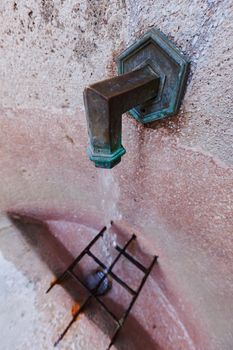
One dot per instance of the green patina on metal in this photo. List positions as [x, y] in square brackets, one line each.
[105, 161]
[155, 49]
[150, 85]
[105, 102]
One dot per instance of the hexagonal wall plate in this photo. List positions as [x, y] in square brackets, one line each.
[157, 51]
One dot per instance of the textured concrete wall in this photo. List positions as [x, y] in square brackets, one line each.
[51, 49]
[175, 182]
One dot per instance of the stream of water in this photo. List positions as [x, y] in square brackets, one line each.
[109, 204]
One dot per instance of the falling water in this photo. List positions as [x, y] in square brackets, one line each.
[110, 196]
[107, 248]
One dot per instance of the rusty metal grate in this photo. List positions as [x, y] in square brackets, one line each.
[69, 272]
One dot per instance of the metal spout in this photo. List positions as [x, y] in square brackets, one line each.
[105, 102]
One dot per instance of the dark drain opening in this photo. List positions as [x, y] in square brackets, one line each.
[93, 280]
[98, 283]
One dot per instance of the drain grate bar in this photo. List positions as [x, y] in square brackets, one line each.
[122, 252]
[75, 316]
[79, 257]
[94, 296]
[130, 258]
[139, 289]
[123, 319]
[105, 272]
[112, 274]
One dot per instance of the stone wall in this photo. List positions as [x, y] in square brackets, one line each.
[175, 182]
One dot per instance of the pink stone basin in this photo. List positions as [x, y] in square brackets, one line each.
[156, 321]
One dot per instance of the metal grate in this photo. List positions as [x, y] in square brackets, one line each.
[106, 271]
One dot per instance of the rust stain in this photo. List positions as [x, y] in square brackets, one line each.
[53, 282]
[75, 308]
[111, 65]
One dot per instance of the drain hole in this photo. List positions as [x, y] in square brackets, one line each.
[93, 282]
[99, 282]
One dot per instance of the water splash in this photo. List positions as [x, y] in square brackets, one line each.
[110, 196]
[108, 247]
